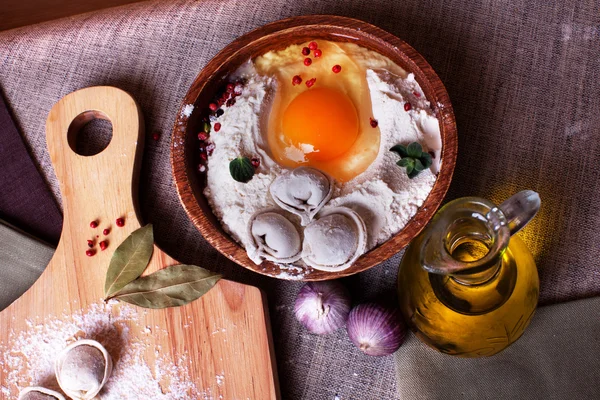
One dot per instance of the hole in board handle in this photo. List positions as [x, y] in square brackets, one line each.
[90, 133]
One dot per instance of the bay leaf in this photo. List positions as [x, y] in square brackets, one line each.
[169, 287]
[129, 260]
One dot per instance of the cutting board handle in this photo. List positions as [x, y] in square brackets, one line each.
[102, 187]
[105, 184]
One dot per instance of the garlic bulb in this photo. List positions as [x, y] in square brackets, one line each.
[302, 191]
[82, 369]
[39, 393]
[376, 330]
[335, 240]
[274, 238]
[322, 307]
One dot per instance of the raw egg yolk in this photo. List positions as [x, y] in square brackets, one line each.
[323, 118]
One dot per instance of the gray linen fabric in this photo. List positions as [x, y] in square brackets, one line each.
[523, 78]
[22, 260]
[556, 358]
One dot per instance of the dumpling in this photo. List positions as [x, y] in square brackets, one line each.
[82, 369]
[273, 237]
[335, 240]
[302, 191]
[39, 393]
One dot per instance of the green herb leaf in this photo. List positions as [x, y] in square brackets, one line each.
[170, 287]
[414, 159]
[419, 165]
[426, 160]
[401, 150]
[413, 173]
[129, 260]
[405, 162]
[414, 150]
[241, 169]
[408, 163]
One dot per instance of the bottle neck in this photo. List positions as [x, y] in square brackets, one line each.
[468, 236]
[469, 242]
[461, 241]
[465, 250]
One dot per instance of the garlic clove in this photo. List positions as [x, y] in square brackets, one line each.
[273, 237]
[302, 191]
[335, 240]
[82, 369]
[39, 393]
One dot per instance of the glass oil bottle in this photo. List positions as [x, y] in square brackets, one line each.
[466, 286]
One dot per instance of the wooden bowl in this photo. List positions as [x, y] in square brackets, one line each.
[275, 36]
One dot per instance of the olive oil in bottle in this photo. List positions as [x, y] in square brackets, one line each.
[466, 286]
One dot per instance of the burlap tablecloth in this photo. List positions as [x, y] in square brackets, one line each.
[522, 76]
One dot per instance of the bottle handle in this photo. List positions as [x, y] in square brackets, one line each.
[518, 210]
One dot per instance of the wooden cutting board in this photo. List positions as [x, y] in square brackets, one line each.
[236, 363]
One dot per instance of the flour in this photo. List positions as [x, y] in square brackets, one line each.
[28, 359]
[187, 110]
[292, 272]
[383, 195]
[240, 136]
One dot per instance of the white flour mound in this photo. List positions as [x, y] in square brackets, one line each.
[383, 195]
[240, 136]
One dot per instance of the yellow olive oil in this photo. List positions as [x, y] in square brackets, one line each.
[470, 313]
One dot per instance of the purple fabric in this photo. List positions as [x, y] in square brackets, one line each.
[25, 199]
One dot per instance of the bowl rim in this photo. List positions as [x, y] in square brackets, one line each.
[431, 84]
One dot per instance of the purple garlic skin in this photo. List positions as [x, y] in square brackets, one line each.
[376, 330]
[322, 307]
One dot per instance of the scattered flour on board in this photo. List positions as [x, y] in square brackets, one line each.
[28, 360]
